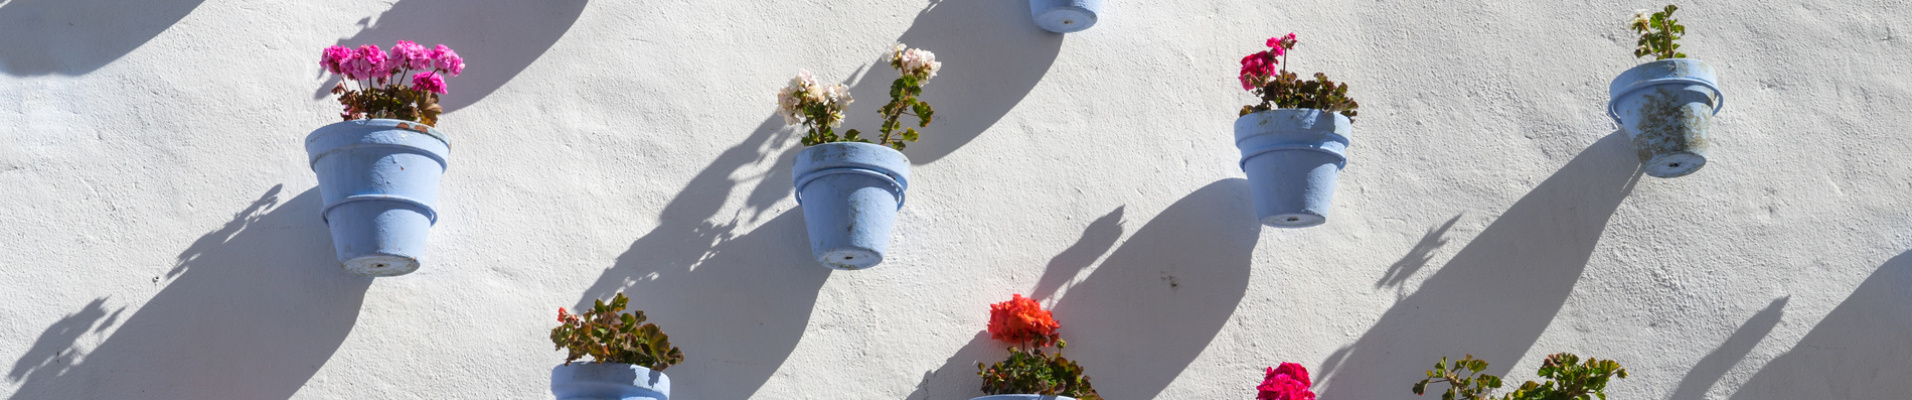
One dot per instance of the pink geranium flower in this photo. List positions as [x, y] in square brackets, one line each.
[369, 63]
[1256, 68]
[1288, 382]
[374, 81]
[333, 57]
[411, 55]
[429, 81]
[446, 60]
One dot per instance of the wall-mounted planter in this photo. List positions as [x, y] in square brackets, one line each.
[850, 193]
[593, 381]
[1292, 158]
[1667, 107]
[1023, 397]
[379, 180]
[1064, 16]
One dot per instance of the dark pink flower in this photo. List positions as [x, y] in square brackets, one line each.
[1289, 382]
[446, 60]
[333, 56]
[411, 55]
[429, 81]
[1256, 68]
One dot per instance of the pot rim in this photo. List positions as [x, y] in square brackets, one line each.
[413, 126]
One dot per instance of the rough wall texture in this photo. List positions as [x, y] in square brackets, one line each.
[160, 238]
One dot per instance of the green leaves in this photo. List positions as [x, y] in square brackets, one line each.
[1657, 33]
[1567, 379]
[1287, 90]
[609, 336]
[1037, 373]
[903, 93]
[903, 100]
[392, 102]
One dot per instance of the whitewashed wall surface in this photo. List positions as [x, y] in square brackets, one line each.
[160, 234]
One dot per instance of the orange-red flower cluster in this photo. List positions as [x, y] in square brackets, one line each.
[1021, 320]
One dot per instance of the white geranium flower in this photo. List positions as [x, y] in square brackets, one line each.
[804, 78]
[839, 96]
[787, 105]
[919, 62]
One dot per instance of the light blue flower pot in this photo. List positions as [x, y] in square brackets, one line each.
[1064, 16]
[1292, 158]
[1023, 397]
[379, 179]
[1667, 107]
[608, 381]
[850, 193]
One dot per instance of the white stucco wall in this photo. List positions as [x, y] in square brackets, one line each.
[160, 237]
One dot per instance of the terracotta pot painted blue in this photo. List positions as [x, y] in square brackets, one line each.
[594, 381]
[850, 193]
[1064, 16]
[1023, 397]
[1667, 107]
[379, 179]
[1292, 158]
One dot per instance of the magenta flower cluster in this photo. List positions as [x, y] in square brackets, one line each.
[1257, 68]
[375, 67]
[1287, 382]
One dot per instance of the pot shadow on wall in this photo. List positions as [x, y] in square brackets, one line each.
[765, 282]
[76, 37]
[1721, 360]
[737, 307]
[1149, 309]
[739, 302]
[1860, 350]
[1496, 296]
[993, 55]
[251, 310]
[497, 38]
[760, 286]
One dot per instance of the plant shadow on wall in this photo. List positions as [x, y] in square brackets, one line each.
[1721, 360]
[695, 264]
[1147, 310]
[1496, 296]
[500, 37]
[250, 311]
[994, 56]
[1860, 350]
[1419, 256]
[75, 37]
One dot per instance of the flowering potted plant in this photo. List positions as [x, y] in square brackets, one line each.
[1030, 374]
[379, 169]
[1666, 106]
[1289, 382]
[1064, 16]
[1567, 378]
[629, 355]
[1292, 143]
[850, 188]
